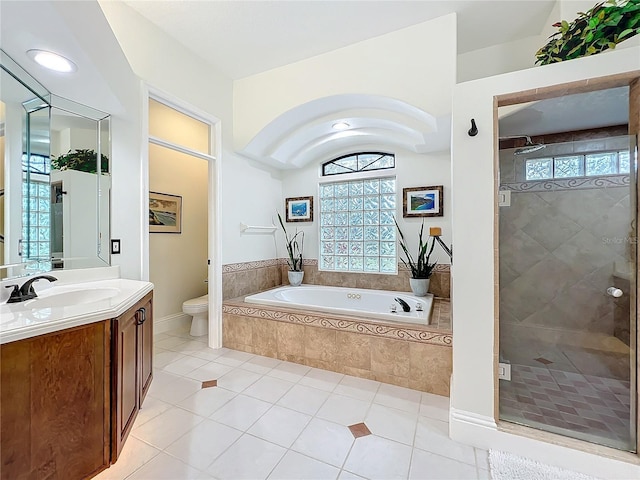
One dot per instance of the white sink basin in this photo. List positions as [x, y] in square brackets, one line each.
[74, 297]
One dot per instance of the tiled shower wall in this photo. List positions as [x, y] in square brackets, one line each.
[246, 278]
[561, 245]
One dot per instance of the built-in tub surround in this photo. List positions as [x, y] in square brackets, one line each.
[439, 285]
[370, 304]
[239, 279]
[408, 355]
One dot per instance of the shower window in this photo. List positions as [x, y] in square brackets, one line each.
[357, 231]
[539, 168]
[572, 166]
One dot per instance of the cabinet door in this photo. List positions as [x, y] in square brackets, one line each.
[54, 404]
[145, 348]
[125, 391]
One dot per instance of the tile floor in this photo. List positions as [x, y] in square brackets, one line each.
[592, 408]
[279, 420]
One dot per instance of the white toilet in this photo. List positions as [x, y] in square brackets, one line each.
[199, 309]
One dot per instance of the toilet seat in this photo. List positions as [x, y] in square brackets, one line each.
[196, 305]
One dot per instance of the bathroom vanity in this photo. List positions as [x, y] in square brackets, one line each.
[73, 377]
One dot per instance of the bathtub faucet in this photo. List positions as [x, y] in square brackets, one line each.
[405, 306]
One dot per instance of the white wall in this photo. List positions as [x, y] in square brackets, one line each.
[248, 194]
[412, 170]
[399, 65]
[473, 302]
[416, 65]
[178, 262]
[520, 54]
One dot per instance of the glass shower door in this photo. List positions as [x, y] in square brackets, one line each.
[567, 256]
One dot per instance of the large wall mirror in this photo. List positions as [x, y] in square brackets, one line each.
[54, 178]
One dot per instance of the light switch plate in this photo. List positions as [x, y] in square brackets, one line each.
[115, 246]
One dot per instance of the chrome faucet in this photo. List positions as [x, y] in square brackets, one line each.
[26, 291]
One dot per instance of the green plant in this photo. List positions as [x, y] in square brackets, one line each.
[602, 27]
[420, 268]
[83, 160]
[294, 249]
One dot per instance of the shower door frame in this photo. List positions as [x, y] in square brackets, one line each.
[632, 80]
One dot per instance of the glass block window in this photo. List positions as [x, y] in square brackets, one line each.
[357, 231]
[571, 166]
[601, 163]
[539, 168]
[564, 167]
[623, 161]
[36, 164]
[36, 208]
[359, 162]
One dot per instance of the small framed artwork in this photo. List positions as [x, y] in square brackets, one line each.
[165, 213]
[299, 209]
[422, 201]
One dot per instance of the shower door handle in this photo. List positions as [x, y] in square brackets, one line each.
[614, 292]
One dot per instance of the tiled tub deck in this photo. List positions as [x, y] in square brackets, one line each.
[414, 356]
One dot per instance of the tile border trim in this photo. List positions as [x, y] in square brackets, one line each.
[567, 184]
[340, 323]
[243, 266]
[239, 267]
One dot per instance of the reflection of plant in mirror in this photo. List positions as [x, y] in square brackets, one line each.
[600, 28]
[83, 160]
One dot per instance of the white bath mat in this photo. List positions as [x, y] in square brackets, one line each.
[506, 466]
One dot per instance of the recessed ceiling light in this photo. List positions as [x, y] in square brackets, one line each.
[52, 61]
[341, 125]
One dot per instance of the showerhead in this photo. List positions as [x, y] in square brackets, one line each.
[529, 147]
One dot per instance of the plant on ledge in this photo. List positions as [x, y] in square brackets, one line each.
[294, 249]
[420, 268]
[600, 28]
[83, 160]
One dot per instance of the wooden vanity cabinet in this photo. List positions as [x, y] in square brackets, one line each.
[55, 408]
[68, 399]
[132, 368]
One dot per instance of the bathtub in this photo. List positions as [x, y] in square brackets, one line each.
[360, 302]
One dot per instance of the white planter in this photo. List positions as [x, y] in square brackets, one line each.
[419, 286]
[295, 278]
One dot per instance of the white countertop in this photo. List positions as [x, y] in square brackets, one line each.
[22, 320]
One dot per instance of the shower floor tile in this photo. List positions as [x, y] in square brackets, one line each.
[595, 407]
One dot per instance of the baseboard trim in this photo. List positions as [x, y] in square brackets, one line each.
[171, 322]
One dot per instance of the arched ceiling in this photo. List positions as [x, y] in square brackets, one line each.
[305, 133]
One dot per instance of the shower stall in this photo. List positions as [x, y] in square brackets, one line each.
[567, 281]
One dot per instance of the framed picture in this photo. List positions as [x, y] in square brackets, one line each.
[422, 201]
[165, 213]
[299, 209]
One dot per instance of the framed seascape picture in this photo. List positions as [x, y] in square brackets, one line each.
[299, 209]
[422, 201]
[165, 213]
